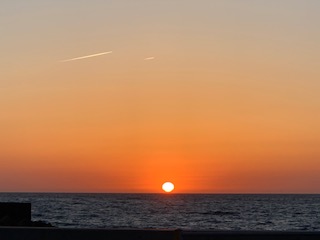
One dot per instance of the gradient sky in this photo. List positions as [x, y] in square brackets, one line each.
[229, 104]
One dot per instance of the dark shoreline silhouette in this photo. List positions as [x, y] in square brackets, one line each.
[18, 215]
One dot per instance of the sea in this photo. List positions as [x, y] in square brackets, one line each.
[174, 211]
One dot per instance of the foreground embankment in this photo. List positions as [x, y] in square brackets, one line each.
[33, 233]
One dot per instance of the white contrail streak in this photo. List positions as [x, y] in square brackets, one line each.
[149, 58]
[88, 56]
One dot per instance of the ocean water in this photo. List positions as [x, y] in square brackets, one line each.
[183, 211]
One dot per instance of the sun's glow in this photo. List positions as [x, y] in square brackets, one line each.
[168, 187]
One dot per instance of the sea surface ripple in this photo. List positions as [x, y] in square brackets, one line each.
[183, 211]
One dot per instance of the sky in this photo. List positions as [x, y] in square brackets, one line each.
[121, 96]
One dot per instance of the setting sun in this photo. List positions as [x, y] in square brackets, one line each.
[167, 187]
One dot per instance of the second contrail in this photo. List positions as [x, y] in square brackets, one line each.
[88, 56]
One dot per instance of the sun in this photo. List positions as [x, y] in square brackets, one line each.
[168, 187]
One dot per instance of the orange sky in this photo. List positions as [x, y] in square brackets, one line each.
[229, 104]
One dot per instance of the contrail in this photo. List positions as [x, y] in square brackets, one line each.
[88, 56]
[149, 58]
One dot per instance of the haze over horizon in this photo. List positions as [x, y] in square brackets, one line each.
[214, 96]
